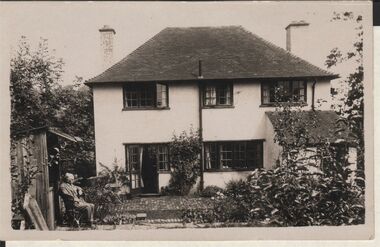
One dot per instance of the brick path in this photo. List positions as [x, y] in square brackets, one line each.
[167, 203]
[157, 209]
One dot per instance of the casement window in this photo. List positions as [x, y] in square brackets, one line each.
[133, 167]
[283, 92]
[217, 94]
[145, 96]
[233, 155]
[163, 158]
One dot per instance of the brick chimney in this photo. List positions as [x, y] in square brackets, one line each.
[296, 35]
[106, 44]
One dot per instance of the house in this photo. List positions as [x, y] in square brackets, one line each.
[221, 80]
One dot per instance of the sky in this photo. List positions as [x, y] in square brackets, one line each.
[72, 28]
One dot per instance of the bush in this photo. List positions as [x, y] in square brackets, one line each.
[291, 198]
[184, 160]
[108, 191]
[210, 191]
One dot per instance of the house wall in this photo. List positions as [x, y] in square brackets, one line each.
[323, 95]
[115, 127]
[271, 149]
[246, 120]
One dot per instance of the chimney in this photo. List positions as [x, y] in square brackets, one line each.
[106, 44]
[295, 35]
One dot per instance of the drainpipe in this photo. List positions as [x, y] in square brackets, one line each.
[312, 94]
[200, 76]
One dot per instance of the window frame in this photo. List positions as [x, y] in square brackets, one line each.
[272, 84]
[259, 157]
[140, 87]
[218, 86]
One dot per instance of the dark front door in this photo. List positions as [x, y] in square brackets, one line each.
[149, 169]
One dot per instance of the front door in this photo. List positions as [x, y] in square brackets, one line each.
[149, 173]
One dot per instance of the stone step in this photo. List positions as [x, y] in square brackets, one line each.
[149, 195]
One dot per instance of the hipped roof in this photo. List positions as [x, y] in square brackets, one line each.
[321, 126]
[226, 52]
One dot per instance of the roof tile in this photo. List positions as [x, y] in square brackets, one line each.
[226, 53]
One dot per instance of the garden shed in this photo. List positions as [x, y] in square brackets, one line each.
[36, 164]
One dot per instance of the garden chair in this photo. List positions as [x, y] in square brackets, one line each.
[72, 215]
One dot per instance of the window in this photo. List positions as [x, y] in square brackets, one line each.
[233, 155]
[283, 91]
[134, 166]
[217, 95]
[163, 157]
[145, 96]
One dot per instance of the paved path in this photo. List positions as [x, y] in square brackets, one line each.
[167, 203]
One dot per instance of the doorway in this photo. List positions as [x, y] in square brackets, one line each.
[149, 173]
[142, 168]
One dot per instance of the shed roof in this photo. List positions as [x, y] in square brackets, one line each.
[53, 130]
[321, 126]
[229, 52]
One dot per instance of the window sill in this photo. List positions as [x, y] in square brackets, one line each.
[218, 107]
[232, 169]
[145, 108]
[279, 104]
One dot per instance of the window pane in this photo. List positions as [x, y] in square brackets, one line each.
[239, 155]
[226, 155]
[224, 95]
[211, 156]
[134, 158]
[210, 95]
[139, 96]
[285, 91]
[161, 95]
[254, 154]
[265, 93]
[163, 158]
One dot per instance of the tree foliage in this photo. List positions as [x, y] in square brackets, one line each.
[300, 190]
[38, 99]
[351, 88]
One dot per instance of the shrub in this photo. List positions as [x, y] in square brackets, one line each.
[108, 192]
[210, 191]
[184, 159]
[292, 194]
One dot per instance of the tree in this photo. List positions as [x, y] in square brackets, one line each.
[75, 116]
[352, 88]
[38, 99]
[34, 77]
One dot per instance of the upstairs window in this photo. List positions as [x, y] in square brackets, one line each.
[217, 95]
[283, 92]
[236, 155]
[145, 96]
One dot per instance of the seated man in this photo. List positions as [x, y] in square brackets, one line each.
[73, 198]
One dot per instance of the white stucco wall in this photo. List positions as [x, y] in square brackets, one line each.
[323, 94]
[242, 122]
[114, 127]
[271, 149]
[246, 120]
[220, 179]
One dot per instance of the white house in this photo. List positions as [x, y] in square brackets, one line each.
[220, 80]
